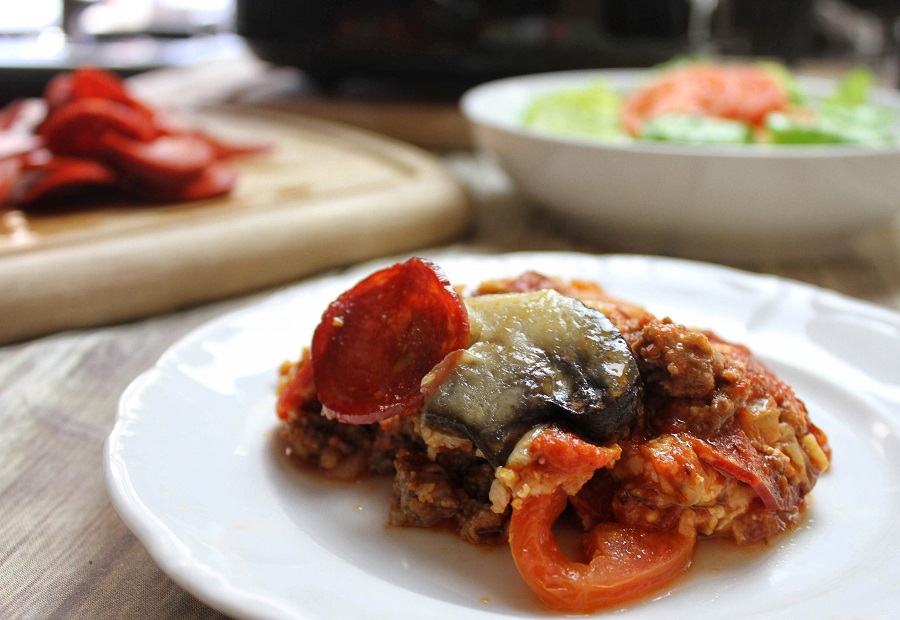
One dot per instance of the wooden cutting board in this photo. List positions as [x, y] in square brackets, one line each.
[326, 195]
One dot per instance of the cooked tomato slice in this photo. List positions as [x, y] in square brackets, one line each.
[624, 562]
[565, 457]
[377, 341]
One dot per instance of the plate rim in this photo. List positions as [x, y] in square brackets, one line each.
[162, 544]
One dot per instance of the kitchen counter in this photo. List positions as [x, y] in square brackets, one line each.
[65, 552]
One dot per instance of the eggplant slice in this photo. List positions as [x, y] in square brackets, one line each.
[534, 358]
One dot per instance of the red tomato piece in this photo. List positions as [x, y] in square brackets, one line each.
[78, 127]
[559, 454]
[377, 341]
[623, 563]
[164, 158]
[740, 92]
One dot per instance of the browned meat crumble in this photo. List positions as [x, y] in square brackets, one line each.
[721, 440]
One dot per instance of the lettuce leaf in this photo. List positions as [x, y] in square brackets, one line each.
[592, 111]
[692, 129]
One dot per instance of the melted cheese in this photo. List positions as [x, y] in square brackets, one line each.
[531, 356]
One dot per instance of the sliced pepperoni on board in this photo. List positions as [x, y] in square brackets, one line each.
[377, 341]
[162, 159]
[90, 83]
[212, 181]
[78, 127]
[226, 150]
[89, 133]
[61, 175]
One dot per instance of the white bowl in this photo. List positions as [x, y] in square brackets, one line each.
[703, 201]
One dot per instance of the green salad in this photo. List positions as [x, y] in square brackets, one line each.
[685, 112]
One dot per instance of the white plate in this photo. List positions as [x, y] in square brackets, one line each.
[193, 469]
[699, 201]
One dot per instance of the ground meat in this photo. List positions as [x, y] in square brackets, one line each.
[678, 361]
[341, 451]
[478, 524]
[451, 490]
[447, 486]
[348, 451]
[721, 436]
[422, 493]
[721, 441]
[392, 436]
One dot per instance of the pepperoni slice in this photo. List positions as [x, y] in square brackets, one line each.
[77, 127]
[377, 341]
[62, 175]
[733, 454]
[163, 159]
[90, 83]
[93, 82]
[211, 182]
[88, 131]
[227, 150]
